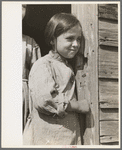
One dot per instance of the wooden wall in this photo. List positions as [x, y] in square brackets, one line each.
[108, 73]
[97, 72]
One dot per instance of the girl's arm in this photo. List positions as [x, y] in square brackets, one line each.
[79, 106]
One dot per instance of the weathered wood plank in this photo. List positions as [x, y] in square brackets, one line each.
[80, 81]
[108, 62]
[109, 11]
[90, 77]
[110, 143]
[109, 114]
[108, 33]
[108, 93]
[109, 131]
[109, 128]
[109, 139]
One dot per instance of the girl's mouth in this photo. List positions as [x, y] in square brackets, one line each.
[74, 50]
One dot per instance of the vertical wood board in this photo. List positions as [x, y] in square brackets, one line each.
[88, 16]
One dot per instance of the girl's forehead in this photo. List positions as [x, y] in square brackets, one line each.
[74, 30]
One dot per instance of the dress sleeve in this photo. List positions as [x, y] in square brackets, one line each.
[42, 88]
[36, 52]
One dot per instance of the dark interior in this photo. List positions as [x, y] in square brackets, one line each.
[36, 19]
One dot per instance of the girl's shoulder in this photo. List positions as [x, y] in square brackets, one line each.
[41, 63]
[43, 60]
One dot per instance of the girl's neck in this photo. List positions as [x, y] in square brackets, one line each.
[57, 56]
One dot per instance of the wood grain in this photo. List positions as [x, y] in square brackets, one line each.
[108, 62]
[108, 93]
[109, 131]
[110, 143]
[109, 115]
[109, 140]
[89, 79]
[108, 11]
[108, 73]
[108, 33]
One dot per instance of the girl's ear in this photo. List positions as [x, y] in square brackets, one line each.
[52, 42]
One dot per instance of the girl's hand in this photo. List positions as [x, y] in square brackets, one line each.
[61, 111]
[83, 106]
[79, 106]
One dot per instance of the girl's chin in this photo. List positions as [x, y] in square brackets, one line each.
[71, 56]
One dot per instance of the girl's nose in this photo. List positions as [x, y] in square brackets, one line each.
[75, 43]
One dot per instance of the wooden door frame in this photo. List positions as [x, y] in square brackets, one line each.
[87, 71]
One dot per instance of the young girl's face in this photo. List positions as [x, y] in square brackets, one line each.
[68, 43]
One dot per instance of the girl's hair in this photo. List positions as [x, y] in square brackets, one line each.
[59, 24]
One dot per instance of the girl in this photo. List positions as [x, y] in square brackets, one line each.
[54, 117]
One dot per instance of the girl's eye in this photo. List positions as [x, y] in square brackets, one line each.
[70, 38]
[79, 39]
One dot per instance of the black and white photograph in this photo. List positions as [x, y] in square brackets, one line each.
[61, 74]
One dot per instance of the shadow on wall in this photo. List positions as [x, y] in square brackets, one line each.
[80, 63]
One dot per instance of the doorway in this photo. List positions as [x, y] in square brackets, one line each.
[36, 19]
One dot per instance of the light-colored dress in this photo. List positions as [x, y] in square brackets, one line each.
[52, 86]
[31, 52]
